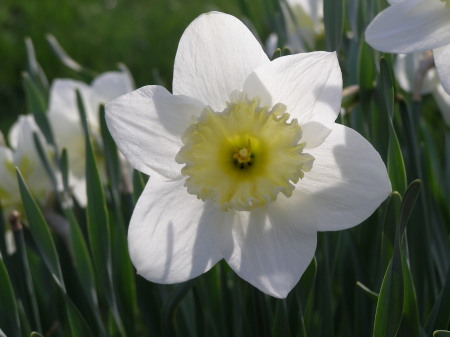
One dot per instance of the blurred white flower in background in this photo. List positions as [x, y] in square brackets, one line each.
[65, 120]
[409, 26]
[24, 155]
[304, 24]
[246, 160]
[408, 73]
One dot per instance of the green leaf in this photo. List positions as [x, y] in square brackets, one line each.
[307, 281]
[387, 86]
[410, 325]
[67, 60]
[35, 69]
[9, 316]
[139, 181]
[36, 334]
[390, 300]
[441, 333]
[64, 168]
[78, 325]
[37, 105]
[366, 68]
[408, 202]
[276, 54]
[98, 222]
[372, 295]
[122, 269]
[41, 233]
[45, 161]
[36, 102]
[280, 325]
[83, 263]
[388, 237]
[440, 314]
[333, 20]
[29, 300]
[171, 305]
[2, 232]
[97, 215]
[395, 164]
[111, 154]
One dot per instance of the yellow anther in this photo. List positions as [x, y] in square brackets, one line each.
[243, 155]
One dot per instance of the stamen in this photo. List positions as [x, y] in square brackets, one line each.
[243, 156]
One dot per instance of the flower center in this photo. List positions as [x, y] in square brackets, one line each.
[242, 157]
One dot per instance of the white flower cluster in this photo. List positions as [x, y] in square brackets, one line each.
[417, 27]
[20, 148]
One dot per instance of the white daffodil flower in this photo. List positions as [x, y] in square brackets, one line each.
[23, 154]
[64, 118]
[409, 26]
[245, 159]
[406, 70]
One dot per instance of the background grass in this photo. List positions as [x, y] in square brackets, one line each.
[143, 34]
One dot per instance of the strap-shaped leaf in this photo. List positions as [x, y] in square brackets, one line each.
[41, 233]
[97, 221]
[390, 300]
[9, 316]
[333, 20]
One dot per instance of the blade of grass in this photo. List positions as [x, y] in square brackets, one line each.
[333, 11]
[9, 316]
[30, 299]
[98, 223]
[390, 300]
[41, 233]
[67, 60]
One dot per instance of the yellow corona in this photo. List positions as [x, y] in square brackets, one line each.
[243, 157]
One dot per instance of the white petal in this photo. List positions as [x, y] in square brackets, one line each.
[78, 188]
[112, 84]
[410, 26]
[9, 190]
[272, 247]
[309, 84]
[215, 55]
[68, 134]
[11, 247]
[443, 101]
[63, 99]
[21, 138]
[348, 180]
[406, 69]
[442, 61]
[8, 180]
[26, 157]
[271, 43]
[171, 233]
[147, 125]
